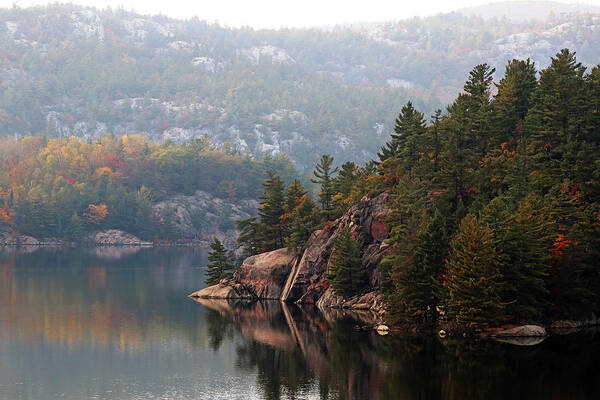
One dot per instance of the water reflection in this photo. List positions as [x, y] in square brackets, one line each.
[116, 324]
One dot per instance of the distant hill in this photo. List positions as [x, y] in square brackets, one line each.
[68, 70]
[528, 10]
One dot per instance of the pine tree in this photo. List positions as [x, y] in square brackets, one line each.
[556, 124]
[473, 277]
[405, 141]
[249, 239]
[477, 121]
[294, 195]
[344, 182]
[270, 211]
[219, 267]
[523, 239]
[431, 252]
[347, 276]
[303, 221]
[512, 102]
[324, 178]
[399, 269]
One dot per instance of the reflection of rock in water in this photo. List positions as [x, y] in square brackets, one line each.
[521, 341]
[284, 339]
[295, 349]
[17, 250]
[113, 252]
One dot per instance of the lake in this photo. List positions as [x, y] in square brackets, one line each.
[116, 323]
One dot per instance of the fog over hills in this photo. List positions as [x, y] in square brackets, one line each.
[527, 10]
[69, 70]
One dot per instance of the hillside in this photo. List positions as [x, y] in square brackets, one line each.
[528, 10]
[67, 70]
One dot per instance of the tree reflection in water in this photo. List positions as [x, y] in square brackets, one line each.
[297, 350]
[119, 325]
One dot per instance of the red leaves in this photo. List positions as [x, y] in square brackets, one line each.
[6, 215]
[115, 163]
[560, 245]
[70, 180]
[96, 213]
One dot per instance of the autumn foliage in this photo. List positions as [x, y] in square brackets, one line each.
[96, 213]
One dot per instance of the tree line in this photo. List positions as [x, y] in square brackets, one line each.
[62, 188]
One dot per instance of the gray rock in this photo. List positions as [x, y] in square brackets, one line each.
[522, 331]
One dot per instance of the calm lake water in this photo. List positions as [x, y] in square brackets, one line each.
[116, 323]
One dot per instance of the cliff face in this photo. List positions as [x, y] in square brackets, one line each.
[281, 275]
[203, 217]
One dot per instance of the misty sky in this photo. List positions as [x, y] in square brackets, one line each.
[283, 13]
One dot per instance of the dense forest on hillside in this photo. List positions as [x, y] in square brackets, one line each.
[67, 70]
[495, 203]
[62, 188]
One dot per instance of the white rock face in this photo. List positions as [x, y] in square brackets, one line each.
[277, 55]
[180, 45]
[88, 24]
[11, 28]
[208, 64]
[400, 83]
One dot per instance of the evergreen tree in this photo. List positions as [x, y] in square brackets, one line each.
[294, 195]
[74, 228]
[303, 221]
[405, 141]
[523, 239]
[477, 119]
[346, 178]
[431, 252]
[347, 276]
[219, 267]
[324, 178]
[270, 211]
[249, 239]
[556, 124]
[473, 277]
[512, 102]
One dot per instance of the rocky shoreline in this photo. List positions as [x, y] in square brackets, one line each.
[110, 237]
[288, 277]
[301, 278]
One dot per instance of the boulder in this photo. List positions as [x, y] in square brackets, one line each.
[223, 291]
[9, 239]
[265, 274]
[565, 324]
[565, 327]
[372, 301]
[114, 237]
[522, 331]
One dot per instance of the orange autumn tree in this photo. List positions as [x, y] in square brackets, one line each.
[96, 213]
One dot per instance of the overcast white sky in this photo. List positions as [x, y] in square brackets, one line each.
[284, 13]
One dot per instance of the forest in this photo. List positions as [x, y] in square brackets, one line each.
[63, 188]
[495, 203]
[72, 71]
